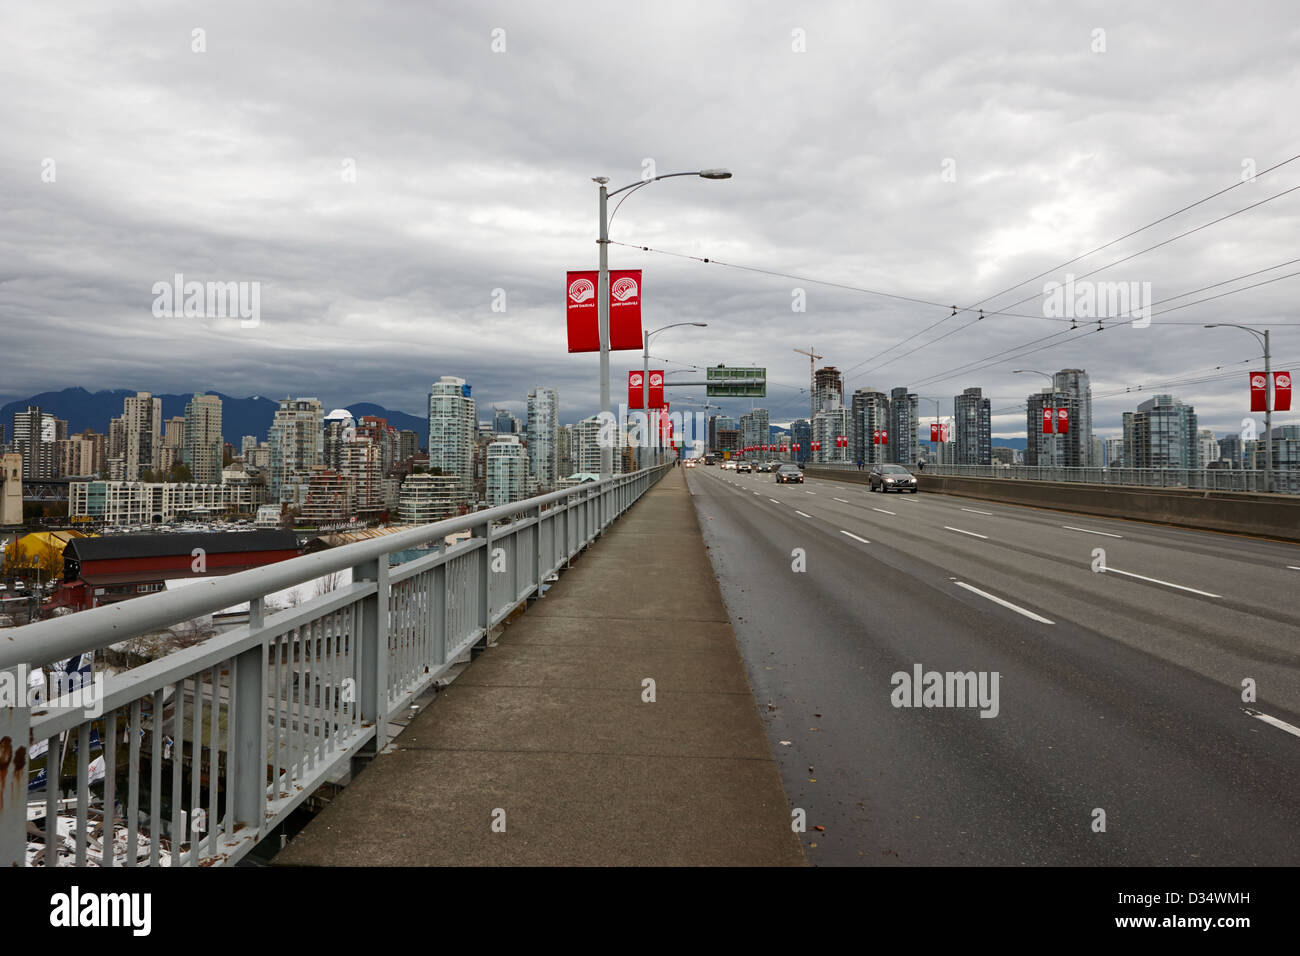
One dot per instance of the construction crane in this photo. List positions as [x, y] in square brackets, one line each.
[812, 381]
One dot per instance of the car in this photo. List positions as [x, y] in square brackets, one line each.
[728, 466]
[891, 478]
[788, 474]
[745, 467]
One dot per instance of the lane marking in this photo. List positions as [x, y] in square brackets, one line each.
[844, 500]
[756, 494]
[1279, 724]
[810, 492]
[1087, 531]
[1143, 577]
[774, 501]
[974, 512]
[971, 533]
[1292, 567]
[1007, 604]
[854, 536]
[801, 513]
[883, 511]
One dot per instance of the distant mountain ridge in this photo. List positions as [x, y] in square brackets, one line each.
[83, 409]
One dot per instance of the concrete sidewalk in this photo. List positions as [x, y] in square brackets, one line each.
[550, 727]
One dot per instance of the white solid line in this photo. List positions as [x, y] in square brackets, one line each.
[974, 512]
[1158, 581]
[844, 500]
[1007, 604]
[1280, 724]
[801, 513]
[1086, 531]
[883, 511]
[854, 536]
[971, 533]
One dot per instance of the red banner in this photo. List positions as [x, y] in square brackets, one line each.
[1063, 421]
[634, 389]
[580, 311]
[1281, 392]
[1258, 392]
[943, 433]
[934, 431]
[1049, 416]
[797, 446]
[625, 311]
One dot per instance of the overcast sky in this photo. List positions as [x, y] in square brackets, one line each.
[938, 151]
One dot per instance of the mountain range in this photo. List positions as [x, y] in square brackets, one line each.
[239, 416]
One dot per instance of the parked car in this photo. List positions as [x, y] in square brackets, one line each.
[891, 478]
[789, 474]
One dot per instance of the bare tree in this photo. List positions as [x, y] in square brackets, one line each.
[329, 582]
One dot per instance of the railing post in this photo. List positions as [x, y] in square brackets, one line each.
[483, 574]
[15, 723]
[372, 650]
[538, 563]
[246, 720]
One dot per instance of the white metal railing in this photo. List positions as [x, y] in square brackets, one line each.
[1286, 481]
[206, 750]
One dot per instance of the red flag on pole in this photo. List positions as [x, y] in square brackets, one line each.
[1258, 392]
[581, 313]
[1049, 415]
[1063, 420]
[625, 310]
[934, 431]
[1281, 391]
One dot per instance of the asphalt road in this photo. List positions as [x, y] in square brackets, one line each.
[1118, 691]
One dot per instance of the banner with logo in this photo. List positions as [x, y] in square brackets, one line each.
[625, 310]
[580, 311]
[1049, 416]
[1063, 421]
[1281, 391]
[934, 431]
[1258, 392]
[583, 318]
[634, 388]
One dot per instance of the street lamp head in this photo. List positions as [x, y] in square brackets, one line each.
[715, 174]
[600, 179]
[703, 325]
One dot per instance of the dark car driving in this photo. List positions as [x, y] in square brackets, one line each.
[891, 478]
[787, 474]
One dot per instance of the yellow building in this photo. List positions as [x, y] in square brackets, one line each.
[43, 549]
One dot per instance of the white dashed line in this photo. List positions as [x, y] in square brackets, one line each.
[883, 511]
[756, 494]
[1279, 724]
[854, 536]
[1142, 577]
[974, 512]
[774, 501]
[1292, 567]
[1007, 604]
[801, 513]
[810, 492]
[1087, 531]
[971, 533]
[843, 500]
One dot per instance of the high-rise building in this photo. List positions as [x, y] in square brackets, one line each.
[904, 419]
[173, 435]
[801, 435]
[1161, 434]
[755, 430]
[586, 454]
[543, 419]
[507, 464]
[504, 423]
[297, 445]
[721, 423]
[1114, 453]
[340, 427]
[142, 421]
[426, 498]
[36, 438]
[1286, 453]
[973, 418]
[1230, 450]
[563, 452]
[82, 455]
[202, 437]
[831, 423]
[828, 388]
[362, 462]
[1044, 450]
[1076, 391]
[452, 429]
[408, 444]
[870, 415]
[1207, 448]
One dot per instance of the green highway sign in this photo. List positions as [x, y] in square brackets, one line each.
[733, 382]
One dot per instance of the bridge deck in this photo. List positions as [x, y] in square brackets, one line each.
[550, 727]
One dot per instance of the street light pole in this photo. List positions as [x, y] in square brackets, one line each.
[602, 295]
[1268, 398]
[1052, 434]
[645, 378]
